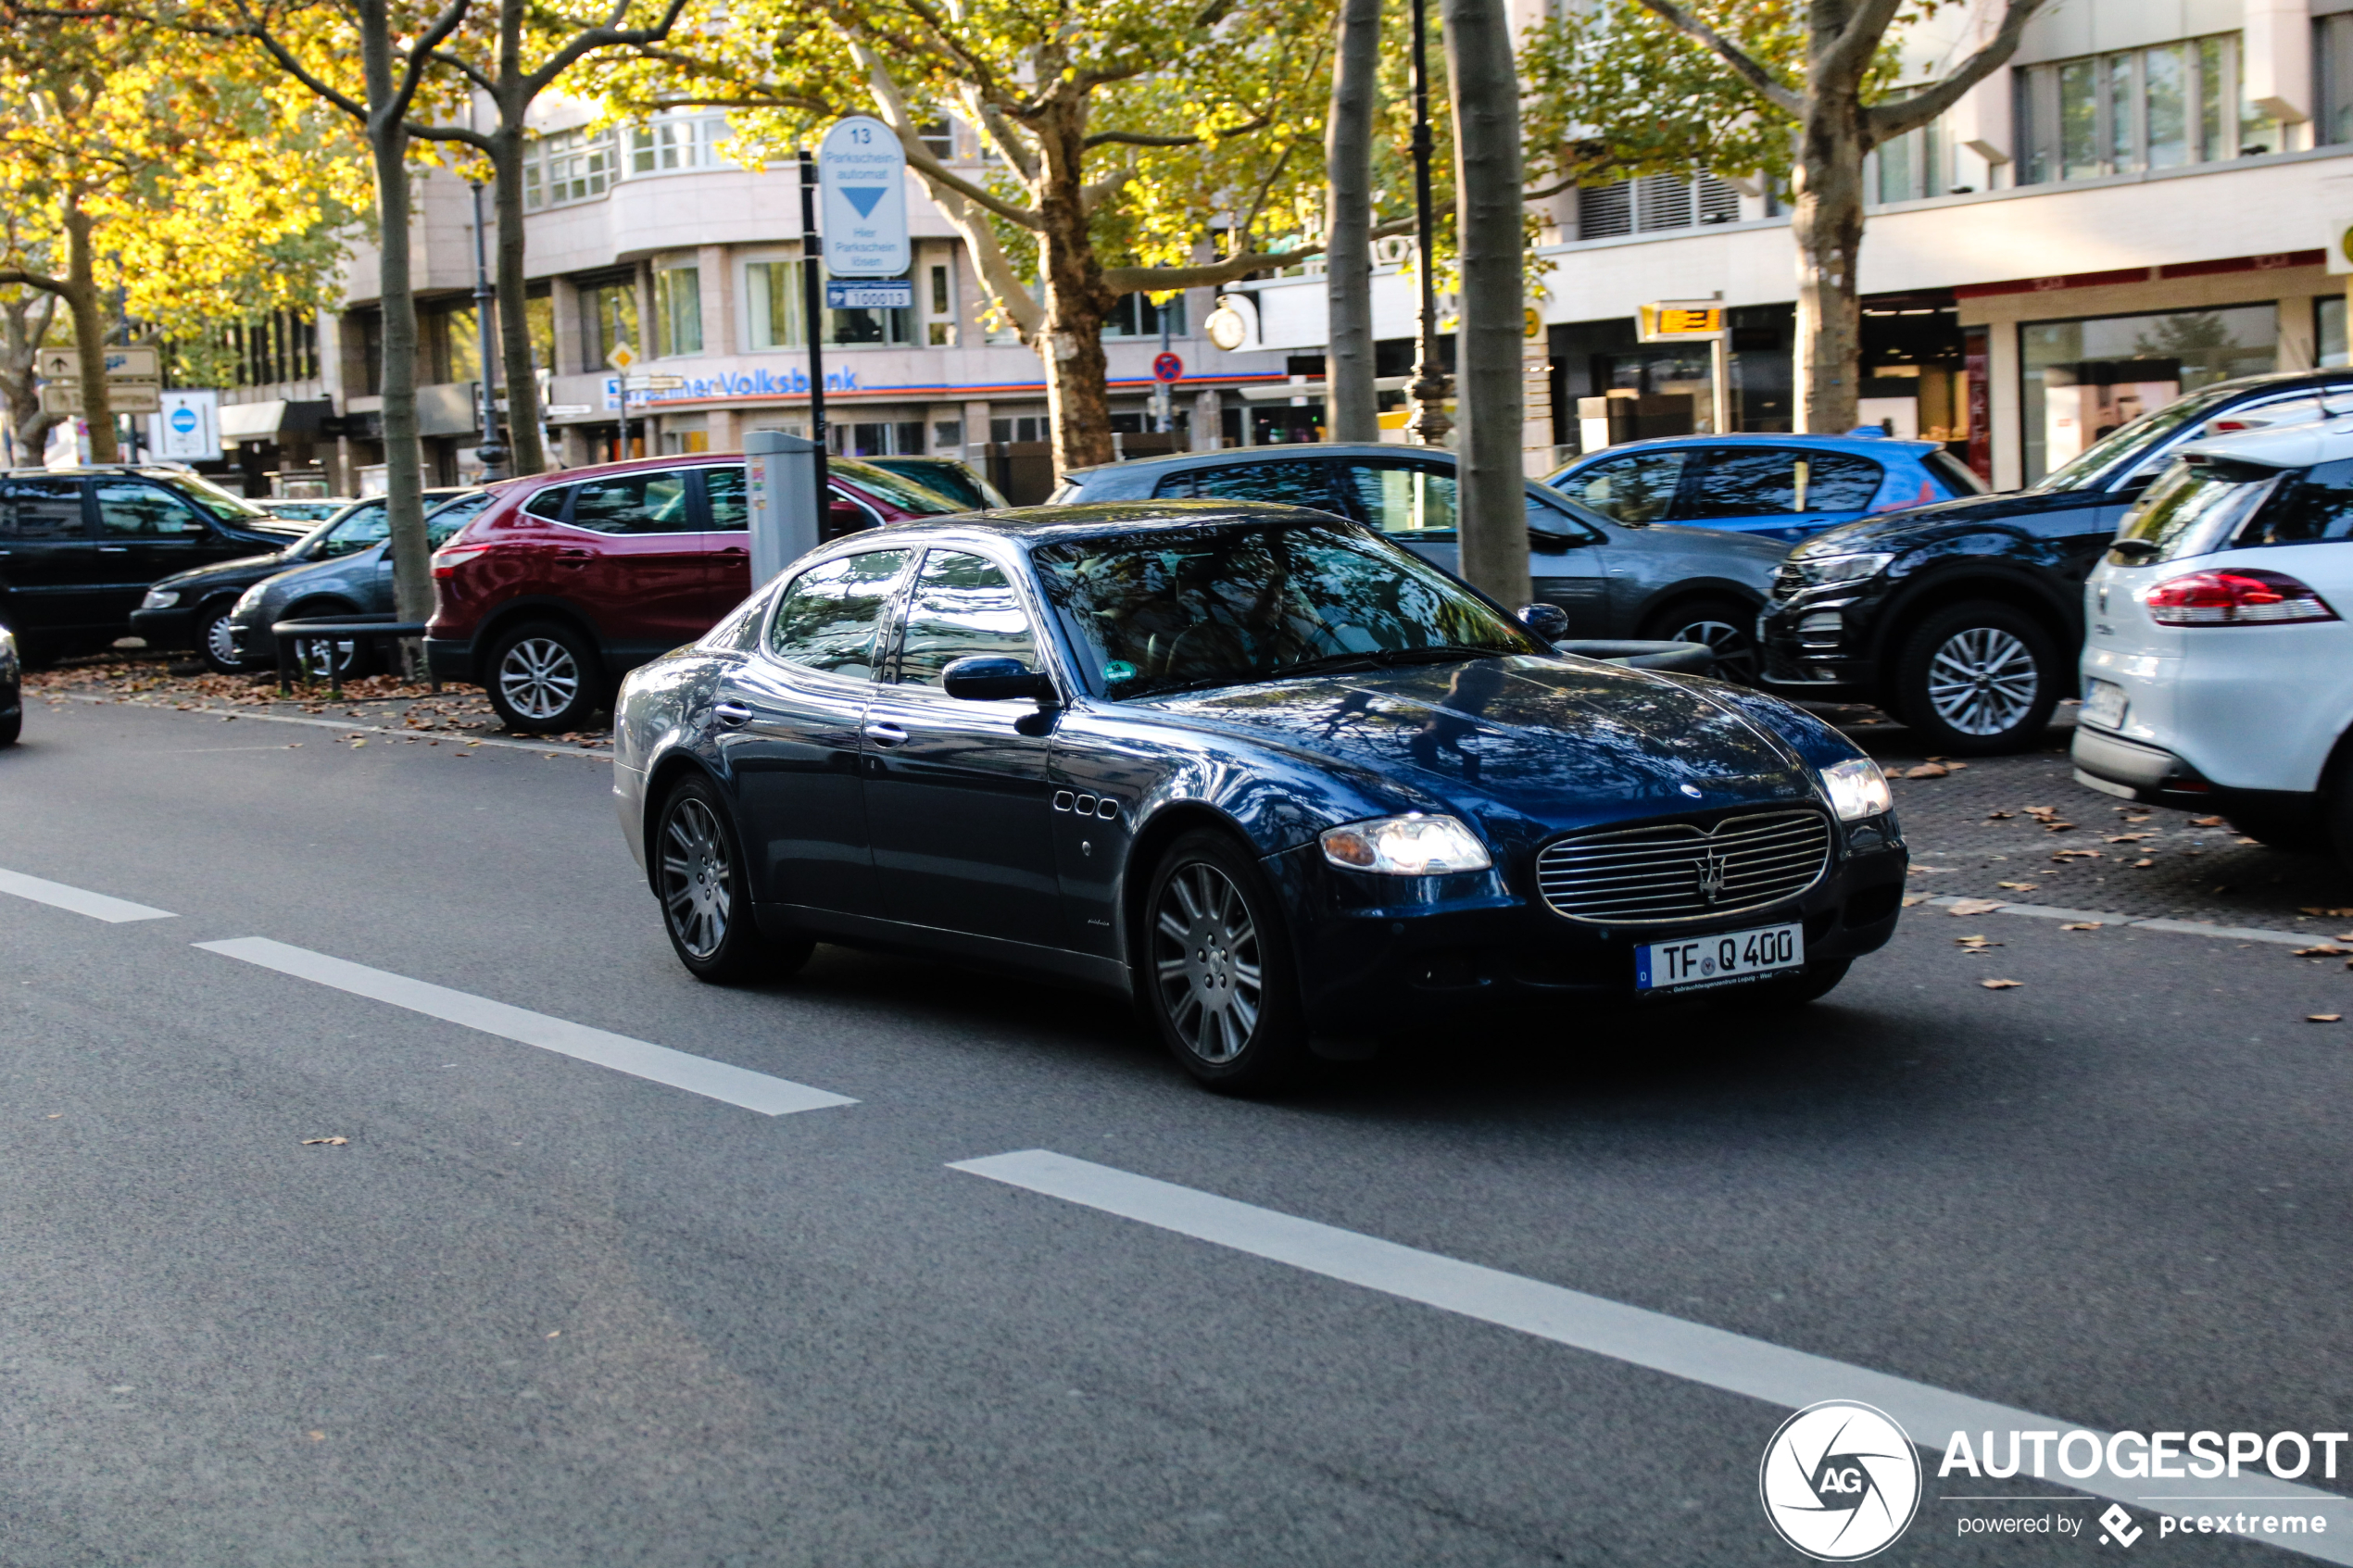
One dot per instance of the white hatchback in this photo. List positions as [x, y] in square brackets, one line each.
[2218, 664]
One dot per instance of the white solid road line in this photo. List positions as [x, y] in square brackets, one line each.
[1733, 1362]
[98, 906]
[736, 1085]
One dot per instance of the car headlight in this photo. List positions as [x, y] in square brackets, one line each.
[8, 643]
[1413, 844]
[1820, 570]
[1857, 789]
[160, 598]
[248, 601]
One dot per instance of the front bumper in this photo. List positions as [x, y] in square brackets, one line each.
[1816, 647]
[1371, 972]
[173, 628]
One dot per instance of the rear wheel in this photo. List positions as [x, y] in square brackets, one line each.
[1727, 627]
[12, 726]
[706, 896]
[1217, 981]
[1979, 679]
[544, 678]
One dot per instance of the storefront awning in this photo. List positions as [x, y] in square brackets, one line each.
[273, 420]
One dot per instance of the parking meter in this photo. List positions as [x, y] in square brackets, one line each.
[780, 474]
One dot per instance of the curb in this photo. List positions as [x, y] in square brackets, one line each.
[2110, 917]
[542, 748]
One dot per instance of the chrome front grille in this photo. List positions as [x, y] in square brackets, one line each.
[1682, 871]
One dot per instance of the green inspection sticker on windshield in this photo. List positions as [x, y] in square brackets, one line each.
[1119, 670]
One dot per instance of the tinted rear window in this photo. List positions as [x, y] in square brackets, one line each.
[547, 503]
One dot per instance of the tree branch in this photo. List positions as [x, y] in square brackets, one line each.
[1883, 122]
[1137, 138]
[893, 103]
[1850, 53]
[611, 33]
[1767, 84]
[40, 281]
[1161, 279]
[413, 75]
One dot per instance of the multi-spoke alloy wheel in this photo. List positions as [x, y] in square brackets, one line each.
[1206, 961]
[1984, 680]
[539, 677]
[220, 645]
[1729, 631]
[697, 877]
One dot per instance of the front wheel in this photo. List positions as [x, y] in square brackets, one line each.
[706, 894]
[1727, 627]
[1979, 679]
[1218, 980]
[544, 680]
[215, 644]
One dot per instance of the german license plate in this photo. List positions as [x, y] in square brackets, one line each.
[1717, 960]
[2104, 704]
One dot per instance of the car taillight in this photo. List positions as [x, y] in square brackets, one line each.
[2247, 597]
[450, 557]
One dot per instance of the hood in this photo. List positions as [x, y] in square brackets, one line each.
[1914, 525]
[1558, 741]
[243, 565]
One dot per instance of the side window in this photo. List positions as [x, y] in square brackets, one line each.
[547, 504]
[723, 492]
[632, 503]
[1748, 482]
[739, 630]
[830, 615]
[1172, 486]
[1638, 487]
[963, 606]
[129, 510]
[1290, 482]
[1837, 481]
[43, 508]
[1411, 500]
[2315, 507]
[1562, 529]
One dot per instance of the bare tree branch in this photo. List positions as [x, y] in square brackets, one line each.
[1137, 138]
[1883, 122]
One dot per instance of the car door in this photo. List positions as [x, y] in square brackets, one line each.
[791, 719]
[637, 560]
[49, 559]
[728, 524]
[957, 791]
[146, 533]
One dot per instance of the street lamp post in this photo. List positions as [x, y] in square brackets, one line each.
[1427, 424]
[489, 450]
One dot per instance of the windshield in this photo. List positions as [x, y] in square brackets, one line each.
[2133, 440]
[904, 494]
[211, 497]
[1167, 612]
[2193, 509]
[360, 526]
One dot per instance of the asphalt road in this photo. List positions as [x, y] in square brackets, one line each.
[536, 1310]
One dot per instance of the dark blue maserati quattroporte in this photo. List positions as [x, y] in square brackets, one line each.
[1283, 783]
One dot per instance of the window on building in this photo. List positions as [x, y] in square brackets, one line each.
[281, 346]
[539, 325]
[569, 165]
[1653, 203]
[2333, 63]
[772, 304]
[1136, 316]
[676, 140]
[1910, 166]
[678, 311]
[2084, 378]
[939, 140]
[870, 326]
[2160, 107]
[608, 317]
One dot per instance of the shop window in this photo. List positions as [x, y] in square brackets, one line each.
[1022, 427]
[2084, 378]
[2160, 107]
[678, 311]
[949, 434]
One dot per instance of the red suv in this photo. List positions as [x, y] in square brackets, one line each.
[572, 579]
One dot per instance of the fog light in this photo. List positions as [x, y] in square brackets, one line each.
[1822, 628]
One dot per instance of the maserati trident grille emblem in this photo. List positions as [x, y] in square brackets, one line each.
[1711, 877]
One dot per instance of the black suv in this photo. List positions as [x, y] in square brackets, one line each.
[79, 547]
[1964, 619]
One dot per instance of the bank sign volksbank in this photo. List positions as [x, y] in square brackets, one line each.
[760, 382]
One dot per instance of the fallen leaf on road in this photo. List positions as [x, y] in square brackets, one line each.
[2082, 925]
[2206, 821]
[2323, 1018]
[1999, 816]
[1977, 944]
[2075, 854]
[316, 1437]
[1912, 898]
[557, 1334]
[54, 1114]
[294, 745]
[2142, 865]
[2042, 810]
[1930, 871]
[2019, 887]
[1966, 906]
[2000, 985]
[2058, 827]
[1928, 771]
[2134, 822]
[2127, 837]
[2325, 950]
[337, 1142]
[358, 744]
[2331, 914]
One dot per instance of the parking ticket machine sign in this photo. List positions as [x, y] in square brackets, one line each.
[862, 172]
[1670, 321]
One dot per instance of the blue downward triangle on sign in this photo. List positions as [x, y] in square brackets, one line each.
[863, 198]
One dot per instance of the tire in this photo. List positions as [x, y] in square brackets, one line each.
[1979, 679]
[11, 727]
[1727, 627]
[1810, 983]
[544, 678]
[1218, 980]
[705, 891]
[212, 639]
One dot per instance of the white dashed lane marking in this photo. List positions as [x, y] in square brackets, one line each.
[1695, 1352]
[98, 906]
[716, 1079]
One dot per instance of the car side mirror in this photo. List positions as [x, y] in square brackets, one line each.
[1548, 622]
[987, 679]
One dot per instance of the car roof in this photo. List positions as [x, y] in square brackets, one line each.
[2289, 447]
[1085, 518]
[1260, 453]
[1847, 443]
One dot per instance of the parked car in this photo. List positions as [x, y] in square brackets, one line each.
[353, 582]
[1613, 579]
[193, 607]
[80, 546]
[1964, 619]
[11, 689]
[1256, 765]
[1781, 487]
[569, 579]
[951, 478]
[2218, 671]
[309, 509]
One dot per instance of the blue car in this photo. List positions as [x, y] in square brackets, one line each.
[1780, 486]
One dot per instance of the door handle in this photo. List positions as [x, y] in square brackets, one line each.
[884, 735]
[733, 713]
[114, 549]
[574, 557]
